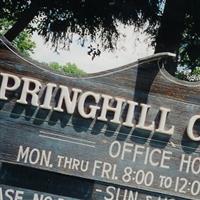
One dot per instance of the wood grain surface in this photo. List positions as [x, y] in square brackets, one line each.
[62, 136]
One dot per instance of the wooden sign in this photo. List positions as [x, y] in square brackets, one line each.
[130, 133]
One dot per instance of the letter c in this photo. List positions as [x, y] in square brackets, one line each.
[190, 128]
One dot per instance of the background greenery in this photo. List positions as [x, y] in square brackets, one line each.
[67, 69]
[174, 26]
[23, 41]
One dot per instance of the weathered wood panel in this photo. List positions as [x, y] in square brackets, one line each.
[103, 151]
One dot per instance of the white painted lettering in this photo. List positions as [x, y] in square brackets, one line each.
[70, 104]
[190, 132]
[5, 85]
[93, 109]
[142, 120]
[47, 98]
[33, 92]
[106, 107]
[163, 118]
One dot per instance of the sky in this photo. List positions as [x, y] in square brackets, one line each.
[130, 47]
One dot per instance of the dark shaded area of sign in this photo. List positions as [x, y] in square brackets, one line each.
[44, 181]
[57, 184]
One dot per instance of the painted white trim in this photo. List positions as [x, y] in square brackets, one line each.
[173, 79]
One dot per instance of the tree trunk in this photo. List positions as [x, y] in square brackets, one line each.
[171, 29]
[172, 26]
[23, 21]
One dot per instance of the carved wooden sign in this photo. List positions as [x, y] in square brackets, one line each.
[128, 133]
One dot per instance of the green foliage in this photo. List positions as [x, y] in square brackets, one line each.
[23, 42]
[67, 69]
[12, 9]
[189, 75]
[196, 71]
[189, 51]
[181, 75]
[55, 66]
[58, 20]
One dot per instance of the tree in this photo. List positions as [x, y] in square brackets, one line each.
[57, 20]
[188, 54]
[180, 33]
[67, 69]
[171, 26]
[170, 22]
[23, 41]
